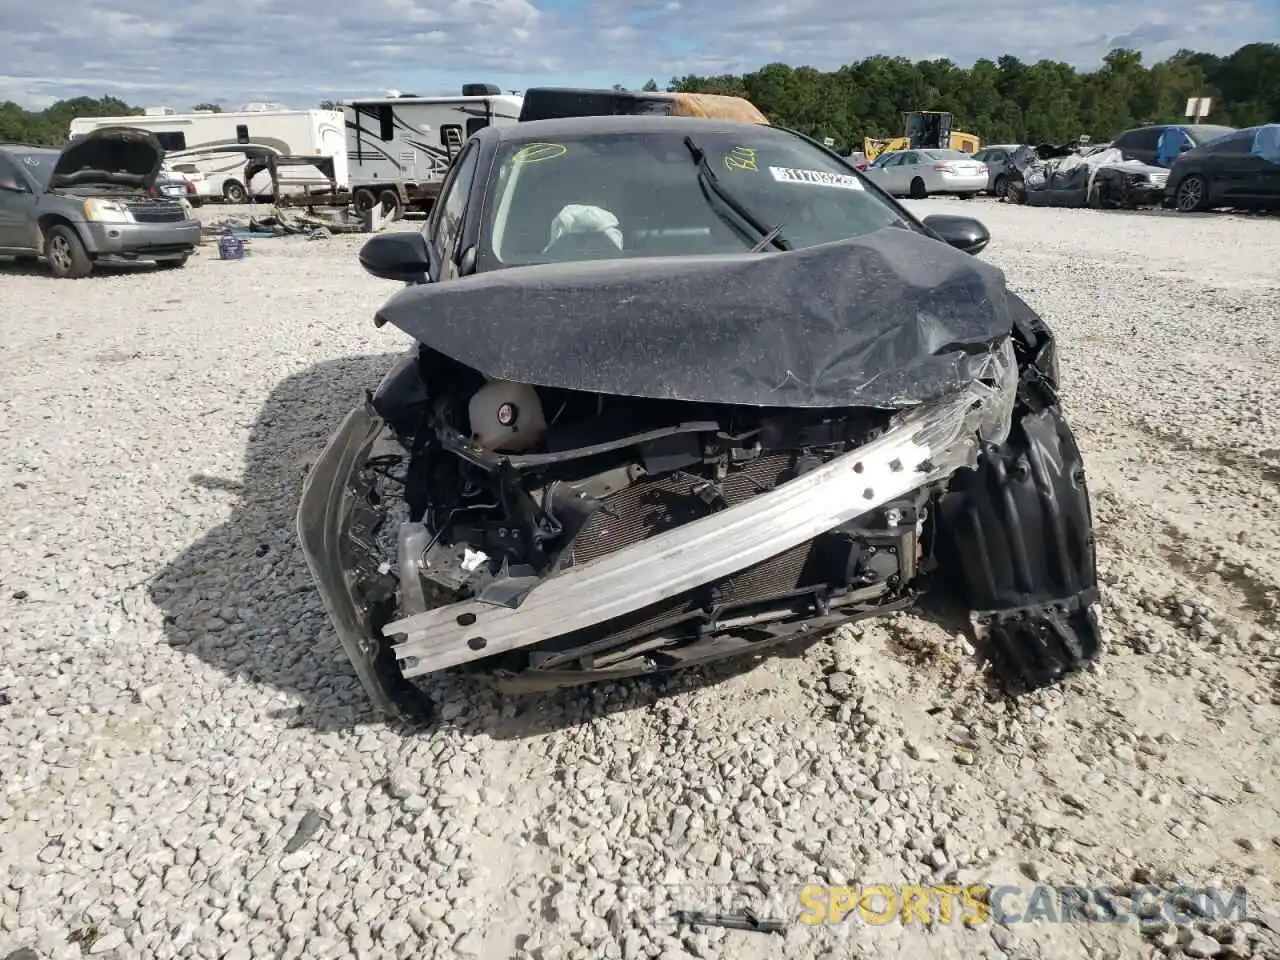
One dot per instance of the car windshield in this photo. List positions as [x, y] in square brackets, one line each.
[38, 163]
[1202, 133]
[641, 195]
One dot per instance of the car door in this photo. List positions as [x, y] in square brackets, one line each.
[877, 170]
[1234, 171]
[444, 229]
[18, 201]
[1268, 154]
[997, 162]
[908, 169]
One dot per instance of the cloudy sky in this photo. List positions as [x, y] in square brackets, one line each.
[298, 52]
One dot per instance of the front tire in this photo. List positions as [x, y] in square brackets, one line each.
[997, 189]
[918, 190]
[1192, 194]
[68, 259]
[234, 192]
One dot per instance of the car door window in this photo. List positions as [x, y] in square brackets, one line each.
[1234, 145]
[446, 225]
[909, 158]
[1144, 139]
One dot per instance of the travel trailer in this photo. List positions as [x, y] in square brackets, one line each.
[217, 146]
[399, 147]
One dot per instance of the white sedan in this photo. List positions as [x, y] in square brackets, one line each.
[919, 173]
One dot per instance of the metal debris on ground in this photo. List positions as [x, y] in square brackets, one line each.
[308, 826]
[746, 919]
[281, 224]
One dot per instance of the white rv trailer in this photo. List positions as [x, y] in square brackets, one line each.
[213, 145]
[399, 147]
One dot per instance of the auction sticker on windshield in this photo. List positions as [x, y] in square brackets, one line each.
[819, 178]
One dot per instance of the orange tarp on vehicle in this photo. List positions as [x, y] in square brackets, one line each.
[716, 106]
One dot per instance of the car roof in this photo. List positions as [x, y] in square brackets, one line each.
[573, 127]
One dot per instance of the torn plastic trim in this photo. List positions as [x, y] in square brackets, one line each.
[329, 503]
[924, 445]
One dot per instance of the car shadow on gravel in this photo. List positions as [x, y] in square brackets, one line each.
[241, 598]
[10, 267]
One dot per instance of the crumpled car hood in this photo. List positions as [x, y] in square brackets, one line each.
[110, 156]
[890, 320]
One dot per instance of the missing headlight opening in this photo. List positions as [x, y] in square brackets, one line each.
[592, 527]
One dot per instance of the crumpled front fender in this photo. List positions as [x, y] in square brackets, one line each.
[1017, 535]
[335, 523]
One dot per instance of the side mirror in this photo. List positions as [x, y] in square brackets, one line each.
[401, 257]
[963, 233]
[467, 262]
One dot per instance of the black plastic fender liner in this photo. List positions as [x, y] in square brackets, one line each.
[1018, 534]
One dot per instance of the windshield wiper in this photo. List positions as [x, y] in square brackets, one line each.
[711, 185]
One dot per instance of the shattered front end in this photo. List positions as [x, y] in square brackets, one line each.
[664, 549]
[596, 470]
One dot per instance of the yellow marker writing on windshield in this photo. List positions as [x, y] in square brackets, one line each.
[535, 152]
[741, 158]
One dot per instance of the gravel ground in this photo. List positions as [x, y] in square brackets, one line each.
[188, 767]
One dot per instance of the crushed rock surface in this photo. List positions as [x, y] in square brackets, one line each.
[188, 767]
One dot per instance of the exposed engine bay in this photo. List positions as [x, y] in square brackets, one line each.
[612, 472]
[547, 535]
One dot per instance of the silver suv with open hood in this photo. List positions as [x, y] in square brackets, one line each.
[90, 202]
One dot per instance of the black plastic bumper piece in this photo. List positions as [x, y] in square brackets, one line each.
[335, 524]
[1018, 534]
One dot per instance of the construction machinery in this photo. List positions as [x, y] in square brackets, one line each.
[925, 130]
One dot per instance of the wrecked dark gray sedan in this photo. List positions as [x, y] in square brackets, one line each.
[684, 390]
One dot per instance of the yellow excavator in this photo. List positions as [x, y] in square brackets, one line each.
[925, 130]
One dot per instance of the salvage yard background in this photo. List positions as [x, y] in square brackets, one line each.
[173, 702]
[1004, 100]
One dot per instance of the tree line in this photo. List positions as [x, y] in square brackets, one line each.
[1002, 101]
[1006, 100]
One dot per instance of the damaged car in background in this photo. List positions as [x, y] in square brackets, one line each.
[1077, 174]
[684, 390]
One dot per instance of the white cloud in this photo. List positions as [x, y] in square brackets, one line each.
[156, 52]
